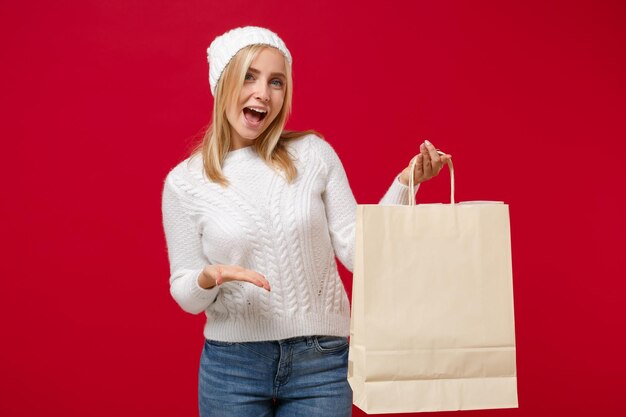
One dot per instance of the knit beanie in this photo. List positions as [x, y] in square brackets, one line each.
[225, 47]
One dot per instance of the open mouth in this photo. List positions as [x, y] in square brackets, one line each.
[254, 115]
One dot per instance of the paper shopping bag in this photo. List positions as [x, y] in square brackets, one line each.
[432, 308]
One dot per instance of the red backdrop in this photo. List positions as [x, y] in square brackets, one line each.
[100, 99]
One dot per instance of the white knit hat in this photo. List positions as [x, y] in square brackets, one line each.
[225, 47]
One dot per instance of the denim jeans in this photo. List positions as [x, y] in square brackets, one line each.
[303, 376]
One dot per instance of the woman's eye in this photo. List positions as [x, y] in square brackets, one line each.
[248, 77]
[276, 82]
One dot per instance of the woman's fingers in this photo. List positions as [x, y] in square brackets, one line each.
[434, 158]
[259, 280]
[237, 273]
[444, 159]
[429, 162]
[428, 168]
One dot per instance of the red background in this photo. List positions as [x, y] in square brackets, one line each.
[100, 99]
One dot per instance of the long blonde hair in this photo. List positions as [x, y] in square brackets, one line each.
[270, 145]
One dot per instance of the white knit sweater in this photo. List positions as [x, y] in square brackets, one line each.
[290, 233]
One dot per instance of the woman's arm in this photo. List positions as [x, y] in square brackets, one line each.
[340, 203]
[194, 281]
[184, 248]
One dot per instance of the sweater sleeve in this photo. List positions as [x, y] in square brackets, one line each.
[339, 204]
[397, 193]
[184, 248]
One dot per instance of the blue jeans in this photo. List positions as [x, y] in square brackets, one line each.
[303, 376]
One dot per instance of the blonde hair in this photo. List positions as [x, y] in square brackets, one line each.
[270, 145]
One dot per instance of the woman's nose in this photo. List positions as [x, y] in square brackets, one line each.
[262, 92]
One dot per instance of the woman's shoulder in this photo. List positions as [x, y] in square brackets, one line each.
[188, 170]
[310, 142]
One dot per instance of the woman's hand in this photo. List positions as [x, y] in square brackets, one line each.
[428, 164]
[213, 275]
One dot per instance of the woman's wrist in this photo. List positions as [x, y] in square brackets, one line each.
[205, 281]
[403, 178]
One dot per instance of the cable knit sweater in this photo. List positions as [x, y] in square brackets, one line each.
[290, 233]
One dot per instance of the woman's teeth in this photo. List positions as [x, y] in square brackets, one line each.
[254, 115]
[258, 110]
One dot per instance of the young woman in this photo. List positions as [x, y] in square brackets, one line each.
[254, 219]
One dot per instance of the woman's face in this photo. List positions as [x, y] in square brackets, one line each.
[260, 99]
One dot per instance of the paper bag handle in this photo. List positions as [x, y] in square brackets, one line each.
[412, 185]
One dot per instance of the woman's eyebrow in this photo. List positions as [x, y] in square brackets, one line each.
[274, 74]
